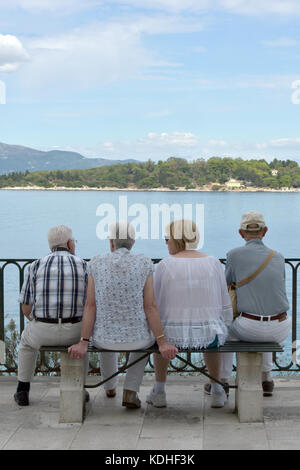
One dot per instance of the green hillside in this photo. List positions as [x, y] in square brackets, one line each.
[172, 174]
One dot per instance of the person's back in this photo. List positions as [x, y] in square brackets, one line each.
[192, 297]
[58, 283]
[119, 279]
[52, 298]
[266, 293]
[262, 302]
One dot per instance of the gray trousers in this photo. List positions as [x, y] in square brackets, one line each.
[37, 334]
[109, 364]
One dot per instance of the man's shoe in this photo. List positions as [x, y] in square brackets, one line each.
[158, 400]
[22, 398]
[131, 399]
[111, 393]
[268, 387]
[207, 388]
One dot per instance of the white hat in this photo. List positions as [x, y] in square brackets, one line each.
[252, 218]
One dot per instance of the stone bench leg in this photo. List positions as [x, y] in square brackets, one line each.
[249, 397]
[72, 380]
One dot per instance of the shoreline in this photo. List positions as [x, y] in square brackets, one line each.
[197, 190]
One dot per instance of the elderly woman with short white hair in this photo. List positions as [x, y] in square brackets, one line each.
[194, 304]
[121, 313]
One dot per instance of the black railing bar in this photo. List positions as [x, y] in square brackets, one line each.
[88, 259]
[204, 373]
[16, 261]
[122, 369]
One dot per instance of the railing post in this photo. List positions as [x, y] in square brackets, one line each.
[2, 343]
[21, 280]
[294, 308]
[1, 304]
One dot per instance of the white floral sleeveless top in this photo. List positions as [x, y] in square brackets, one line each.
[119, 279]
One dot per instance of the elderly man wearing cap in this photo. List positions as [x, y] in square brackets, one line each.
[261, 301]
[52, 298]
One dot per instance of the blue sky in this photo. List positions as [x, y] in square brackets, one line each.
[152, 78]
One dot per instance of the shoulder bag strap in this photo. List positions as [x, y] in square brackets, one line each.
[250, 278]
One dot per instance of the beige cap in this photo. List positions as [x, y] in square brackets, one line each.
[252, 218]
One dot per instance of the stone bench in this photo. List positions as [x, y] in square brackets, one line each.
[248, 397]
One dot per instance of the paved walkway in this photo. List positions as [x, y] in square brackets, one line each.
[187, 423]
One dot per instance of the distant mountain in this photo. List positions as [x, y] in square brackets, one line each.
[17, 158]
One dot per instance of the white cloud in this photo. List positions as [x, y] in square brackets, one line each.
[174, 6]
[244, 7]
[38, 6]
[190, 146]
[108, 146]
[281, 42]
[261, 7]
[275, 148]
[101, 52]
[153, 145]
[247, 81]
[12, 53]
[165, 24]
[186, 139]
[285, 143]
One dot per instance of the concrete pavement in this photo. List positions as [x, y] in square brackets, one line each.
[187, 423]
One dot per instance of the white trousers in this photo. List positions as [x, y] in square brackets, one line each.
[109, 364]
[245, 329]
[37, 334]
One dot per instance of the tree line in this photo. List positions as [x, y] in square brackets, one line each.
[172, 173]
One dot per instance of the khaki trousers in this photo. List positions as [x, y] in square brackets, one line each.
[37, 334]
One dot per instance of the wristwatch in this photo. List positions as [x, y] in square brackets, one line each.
[84, 339]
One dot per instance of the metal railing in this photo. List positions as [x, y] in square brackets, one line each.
[43, 365]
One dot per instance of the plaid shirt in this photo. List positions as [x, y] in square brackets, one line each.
[55, 286]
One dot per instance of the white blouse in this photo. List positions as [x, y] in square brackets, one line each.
[193, 301]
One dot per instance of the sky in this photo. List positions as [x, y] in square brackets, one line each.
[152, 79]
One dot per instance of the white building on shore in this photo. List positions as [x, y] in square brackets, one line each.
[232, 183]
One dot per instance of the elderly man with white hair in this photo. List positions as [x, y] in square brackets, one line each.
[52, 298]
[121, 313]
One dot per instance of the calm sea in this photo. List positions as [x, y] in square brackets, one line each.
[26, 216]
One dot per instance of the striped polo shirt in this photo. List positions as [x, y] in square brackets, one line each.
[55, 286]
